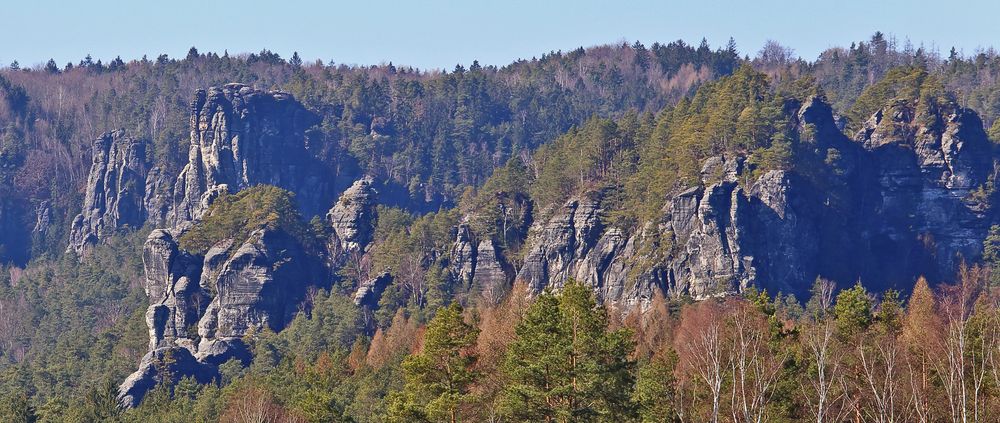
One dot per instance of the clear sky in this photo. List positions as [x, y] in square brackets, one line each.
[441, 33]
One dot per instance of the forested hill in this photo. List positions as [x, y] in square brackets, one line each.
[226, 236]
[427, 134]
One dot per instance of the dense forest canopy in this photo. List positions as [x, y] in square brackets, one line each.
[494, 149]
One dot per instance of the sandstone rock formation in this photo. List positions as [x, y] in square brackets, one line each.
[240, 137]
[896, 202]
[908, 195]
[115, 190]
[353, 218]
[370, 291]
[201, 306]
[479, 267]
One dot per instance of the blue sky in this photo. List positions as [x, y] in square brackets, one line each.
[441, 33]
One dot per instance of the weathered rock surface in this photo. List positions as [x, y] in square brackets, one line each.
[926, 167]
[240, 137]
[206, 305]
[43, 219]
[561, 242]
[175, 298]
[479, 267]
[896, 202]
[157, 198]
[370, 291]
[201, 306]
[181, 364]
[258, 286]
[353, 218]
[115, 190]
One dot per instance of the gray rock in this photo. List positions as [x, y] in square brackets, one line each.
[181, 364]
[115, 190]
[157, 197]
[463, 257]
[43, 219]
[172, 287]
[353, 218]
[370, 291]
[258, 286]
[895, 203]
[560, 242]
[492, 273]
[242, 137]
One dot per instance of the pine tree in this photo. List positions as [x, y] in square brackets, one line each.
[853, 311]
[17, 408]
[439, 378]
[655, 392]
[566, 365]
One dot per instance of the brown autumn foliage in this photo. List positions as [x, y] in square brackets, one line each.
[653, 327]
[402, 337]
[253, 404]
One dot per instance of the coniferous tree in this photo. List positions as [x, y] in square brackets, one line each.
[566, 365]
[438, 379]
[17, 408]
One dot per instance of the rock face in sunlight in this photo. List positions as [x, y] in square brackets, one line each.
[115, 190]
[353, 219]
[908, 196]
[240, 137]
[479, 266]
[899, 201]
[201, 306]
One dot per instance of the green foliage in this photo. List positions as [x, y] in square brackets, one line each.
[655, 389]
[439, 378]
[565, 365]
[853, 310]
[991, 254]
[909, 83]
[890, 312]
[237, 217]
[16, 408]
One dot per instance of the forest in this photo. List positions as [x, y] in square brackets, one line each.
[498, 151]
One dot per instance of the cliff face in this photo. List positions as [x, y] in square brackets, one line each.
[242, 137]
[201, 306]
[115, 190]
[898, 201]
[927, 165]
[907, 196]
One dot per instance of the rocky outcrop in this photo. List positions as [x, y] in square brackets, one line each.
[240, 137]
[561, 242]
[115, 190]
[43, 220]
[257, 286]
[175, 296]
[479, 267]
[352, 219]
[157, 198]
[203, 306]
[177, 361]
[928, 164]
[370, 291]
[904, 198]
